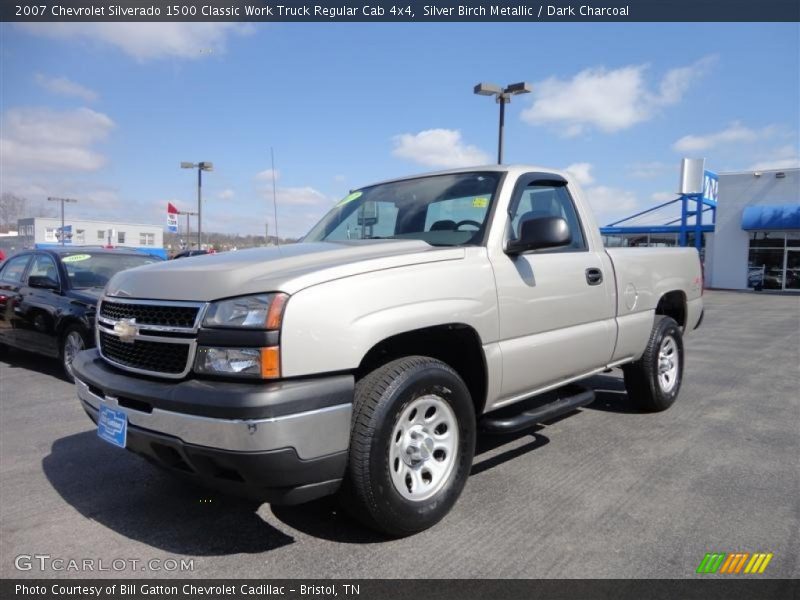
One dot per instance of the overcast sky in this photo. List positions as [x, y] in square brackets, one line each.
[106, 112]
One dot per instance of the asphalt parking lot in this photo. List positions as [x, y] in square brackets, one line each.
[603, 492]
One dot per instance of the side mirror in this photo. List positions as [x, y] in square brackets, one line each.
[42, 282]
[539, 233]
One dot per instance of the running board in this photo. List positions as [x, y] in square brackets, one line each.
[568, 399]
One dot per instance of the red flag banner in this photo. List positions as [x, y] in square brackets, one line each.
[172, 218]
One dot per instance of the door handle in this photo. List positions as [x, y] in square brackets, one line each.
[594, 276]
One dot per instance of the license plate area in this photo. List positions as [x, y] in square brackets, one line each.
[112, 426]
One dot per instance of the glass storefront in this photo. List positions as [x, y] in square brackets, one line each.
[639, 240]
[774, 260]
[652, 240]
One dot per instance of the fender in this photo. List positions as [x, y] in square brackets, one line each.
[330, 327]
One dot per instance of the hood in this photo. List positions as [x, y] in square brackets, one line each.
[286, 269]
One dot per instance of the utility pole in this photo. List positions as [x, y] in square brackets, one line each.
[274, 196]
[63, 201]
[199, 207]
[188, 226]
[201, 166]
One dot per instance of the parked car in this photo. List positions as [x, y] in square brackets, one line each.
[48, 298]
[363, 360]
[188, 253]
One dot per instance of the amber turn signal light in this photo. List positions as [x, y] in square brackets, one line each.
[271, 362]
[275, 312]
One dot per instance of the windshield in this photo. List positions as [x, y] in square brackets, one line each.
[443, 210]
[87, 270]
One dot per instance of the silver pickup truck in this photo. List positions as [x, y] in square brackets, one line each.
[364, 360]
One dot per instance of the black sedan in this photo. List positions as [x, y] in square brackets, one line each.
[188, 253]
[48, 298]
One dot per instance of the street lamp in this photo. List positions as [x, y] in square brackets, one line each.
[502, 97]
[201, 166]
[63, 201]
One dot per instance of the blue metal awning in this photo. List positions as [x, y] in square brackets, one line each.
[650, 229]
[771, 217]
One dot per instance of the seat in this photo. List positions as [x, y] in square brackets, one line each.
[83, 279]
[443, 225]
[51, 273]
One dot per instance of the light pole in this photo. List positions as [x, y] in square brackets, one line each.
[63, 201]
[502, 97]
[201, 166]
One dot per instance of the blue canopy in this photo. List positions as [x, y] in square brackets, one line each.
[771, 216]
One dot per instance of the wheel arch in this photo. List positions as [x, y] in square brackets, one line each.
[673, 304]
[456, 344]
[68, 320]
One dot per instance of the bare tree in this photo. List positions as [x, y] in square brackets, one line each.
[12, 208]
[42, 209]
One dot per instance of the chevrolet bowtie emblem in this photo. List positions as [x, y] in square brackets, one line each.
[126, 330]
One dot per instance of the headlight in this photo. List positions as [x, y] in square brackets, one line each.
[239, 362]
[263, 311]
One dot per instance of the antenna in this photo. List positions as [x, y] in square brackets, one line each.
[274, 196]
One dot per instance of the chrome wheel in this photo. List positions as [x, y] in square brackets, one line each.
[668, 364]
[423, 448]
[73, 344]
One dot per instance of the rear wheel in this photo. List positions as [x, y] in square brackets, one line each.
[411, 446]
[653, 381]
[73, 341]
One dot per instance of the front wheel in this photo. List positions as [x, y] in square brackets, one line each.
[411, 447]
[654, 380]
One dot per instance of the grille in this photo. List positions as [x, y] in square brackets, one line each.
[158, 357]
[149, 314]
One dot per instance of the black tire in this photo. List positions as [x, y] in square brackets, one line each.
[63, 350]
[642, 381]
[369, 492]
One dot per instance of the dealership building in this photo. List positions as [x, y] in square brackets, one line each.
[756, 238]
[745, 226]
[44, 232]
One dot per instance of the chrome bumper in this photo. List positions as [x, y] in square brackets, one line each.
[312, 434]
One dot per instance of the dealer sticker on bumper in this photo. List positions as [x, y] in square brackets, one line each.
[112, 426]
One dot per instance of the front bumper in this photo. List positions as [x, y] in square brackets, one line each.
[281, 442]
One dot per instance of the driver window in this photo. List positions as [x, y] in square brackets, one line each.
[539, 201]
[43, 266]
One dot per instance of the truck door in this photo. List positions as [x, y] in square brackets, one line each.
[556, 306]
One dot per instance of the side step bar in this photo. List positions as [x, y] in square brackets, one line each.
[573, 397]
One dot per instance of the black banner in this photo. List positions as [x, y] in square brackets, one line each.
[433, 589]
[400, 10]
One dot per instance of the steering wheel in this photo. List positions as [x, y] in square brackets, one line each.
[467, 222]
